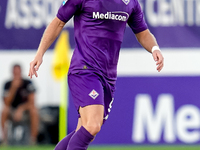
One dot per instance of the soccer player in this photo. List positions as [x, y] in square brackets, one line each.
[99, 27]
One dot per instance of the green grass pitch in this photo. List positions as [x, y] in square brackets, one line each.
[121, 147]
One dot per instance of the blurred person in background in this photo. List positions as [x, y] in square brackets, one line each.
[19, 97]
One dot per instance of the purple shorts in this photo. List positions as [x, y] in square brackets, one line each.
[91, 89]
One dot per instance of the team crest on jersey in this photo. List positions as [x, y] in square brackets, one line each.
[64, 2]
[93, 94]
[126, 1]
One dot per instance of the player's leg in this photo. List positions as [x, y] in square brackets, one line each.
[79, 124]
[62, 145]
[4, 117]
[92, 118]
[88, 96]
[91, 122]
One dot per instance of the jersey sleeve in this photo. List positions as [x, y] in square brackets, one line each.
[136, 20]
[68, 9]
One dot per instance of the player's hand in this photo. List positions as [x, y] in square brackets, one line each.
[159, 59]
[34, 66]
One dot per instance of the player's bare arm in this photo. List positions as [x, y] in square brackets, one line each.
[148, 41]
[49, 36]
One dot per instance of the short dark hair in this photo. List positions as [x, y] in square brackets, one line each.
[16, 66]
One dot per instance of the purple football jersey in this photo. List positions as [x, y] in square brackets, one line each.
[99, 27]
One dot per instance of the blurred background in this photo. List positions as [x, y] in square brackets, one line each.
[149, 108]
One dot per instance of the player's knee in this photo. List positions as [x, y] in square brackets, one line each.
[93, 128]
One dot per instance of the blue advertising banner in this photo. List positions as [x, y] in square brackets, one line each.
[151, 110]
[175, 23]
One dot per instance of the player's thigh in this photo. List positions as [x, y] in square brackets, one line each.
[89, 117]
[92, 114]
